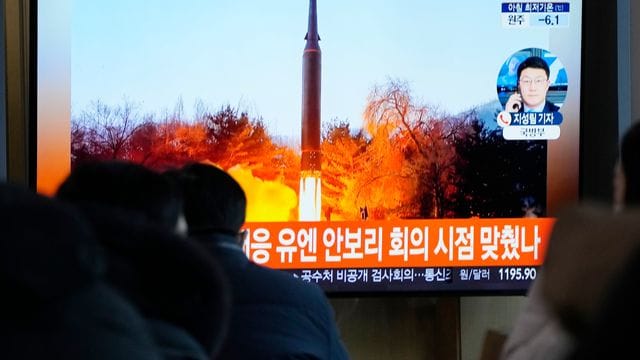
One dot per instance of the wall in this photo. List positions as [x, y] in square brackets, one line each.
[399, 327]
[600, 109]
[20, 132]
[3, 104]
[482, 314]
[634, 67]
[628, 63]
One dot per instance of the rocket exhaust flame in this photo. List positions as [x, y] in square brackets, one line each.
[310, 206]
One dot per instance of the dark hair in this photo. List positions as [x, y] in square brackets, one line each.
[125, 186]
[629, 150]
[213, 200]
[47, 249]
[534, 62]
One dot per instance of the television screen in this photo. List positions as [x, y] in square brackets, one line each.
[384, 146]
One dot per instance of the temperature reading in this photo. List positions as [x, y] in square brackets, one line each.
[552, 20]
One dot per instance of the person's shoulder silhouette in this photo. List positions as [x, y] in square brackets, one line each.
[55, 302]
[275, 316]
[176, 284]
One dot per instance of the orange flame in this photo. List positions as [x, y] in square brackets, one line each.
[266, 200]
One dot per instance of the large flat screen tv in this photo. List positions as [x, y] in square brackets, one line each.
[384, 146]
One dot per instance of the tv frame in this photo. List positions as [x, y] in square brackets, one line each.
[599, 41]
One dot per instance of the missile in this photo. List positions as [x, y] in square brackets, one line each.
[309, 204]
[311, 70]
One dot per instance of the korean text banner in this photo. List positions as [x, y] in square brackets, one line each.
[403, 243]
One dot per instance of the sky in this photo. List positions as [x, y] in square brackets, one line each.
[248, 53]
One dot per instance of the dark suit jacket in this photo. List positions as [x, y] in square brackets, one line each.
[274, 315]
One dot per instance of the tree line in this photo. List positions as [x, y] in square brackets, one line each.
[406, 161]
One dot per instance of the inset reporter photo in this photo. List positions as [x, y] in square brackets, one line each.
[532, 80]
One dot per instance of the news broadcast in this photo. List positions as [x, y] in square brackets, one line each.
[383, 146]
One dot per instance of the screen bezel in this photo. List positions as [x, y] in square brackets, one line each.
[592, 108]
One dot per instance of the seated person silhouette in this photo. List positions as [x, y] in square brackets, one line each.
[560, 315]
[274, 315]
[176, 285]
[56, 303]
[533, 85]
[613, 330]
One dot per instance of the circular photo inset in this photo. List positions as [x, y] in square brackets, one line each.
[532, 80]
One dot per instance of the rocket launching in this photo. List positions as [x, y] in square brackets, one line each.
[310, 171]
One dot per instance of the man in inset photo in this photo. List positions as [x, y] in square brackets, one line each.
[533, 84]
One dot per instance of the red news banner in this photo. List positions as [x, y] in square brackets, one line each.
[402, 243]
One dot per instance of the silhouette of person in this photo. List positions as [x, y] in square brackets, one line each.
[177, 286]
[274, 315]
[55, 301]
[559, 304]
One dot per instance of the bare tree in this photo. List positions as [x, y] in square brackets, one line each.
[108, 130]
[426, 138]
